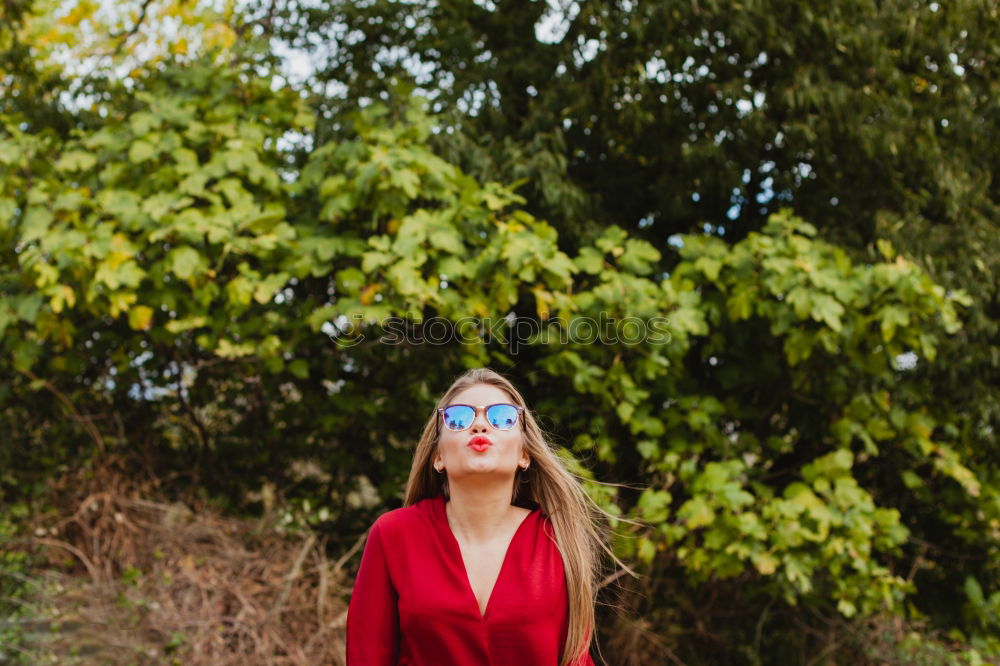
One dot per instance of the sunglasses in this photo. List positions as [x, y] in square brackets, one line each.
[501, 416]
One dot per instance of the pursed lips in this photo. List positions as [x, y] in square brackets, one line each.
[480, 442]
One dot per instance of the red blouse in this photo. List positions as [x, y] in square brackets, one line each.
[413, 605]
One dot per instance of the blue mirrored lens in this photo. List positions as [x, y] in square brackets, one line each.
[502, 417]
[459, 417]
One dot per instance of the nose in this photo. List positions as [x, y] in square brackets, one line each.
[479, 423]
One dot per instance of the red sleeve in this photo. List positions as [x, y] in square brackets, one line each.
[373, 615]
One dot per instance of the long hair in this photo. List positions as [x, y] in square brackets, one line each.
[548, 484]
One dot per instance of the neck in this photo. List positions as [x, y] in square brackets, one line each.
[476, 512]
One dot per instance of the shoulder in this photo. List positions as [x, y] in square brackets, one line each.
[545, 524]
[404, 520]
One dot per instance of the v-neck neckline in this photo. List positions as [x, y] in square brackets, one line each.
[461, 559]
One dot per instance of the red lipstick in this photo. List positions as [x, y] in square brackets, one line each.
[480, 443]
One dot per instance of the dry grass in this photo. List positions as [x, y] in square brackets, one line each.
[162, 583]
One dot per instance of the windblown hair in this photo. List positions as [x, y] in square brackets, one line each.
[548, 484]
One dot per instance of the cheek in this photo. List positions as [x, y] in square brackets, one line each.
[512, 444]
[449, 444]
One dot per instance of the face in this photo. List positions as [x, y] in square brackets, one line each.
[504, 454]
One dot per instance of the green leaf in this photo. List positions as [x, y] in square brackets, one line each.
[589, 260]
[240, 290]
[639, 257]
[825, 308]
[7, 209]
[654, 505]
[129, 274]
[143, 122]
[766, 563]
[696, 512]
[801, 300]
[646, 550]
[452, 267]
[741, 303]
[448, 240]
[371, 261]
[185, 262]
[140, 151]
[350, 280]
[140, 318]
[264, 291]
[26, 352]
[27, 306]
[890, 317]
[647, 448]
[406, 180]
[962, 297]
[76, 160]
[709, 266]
[974, 592]
[35, 223]
[228, 349]
[179, 325]
[612, 238]
[846, 608]
[688, 320]
[412, 232]
[885, 249]
[798, 345]
[911, 480]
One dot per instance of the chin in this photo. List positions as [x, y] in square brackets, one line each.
[476, 470]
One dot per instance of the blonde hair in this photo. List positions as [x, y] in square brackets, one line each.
[550, 485]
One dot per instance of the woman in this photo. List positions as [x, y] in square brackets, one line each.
[494, 557]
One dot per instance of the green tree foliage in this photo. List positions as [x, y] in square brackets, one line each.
[868, 119]
[199, 263]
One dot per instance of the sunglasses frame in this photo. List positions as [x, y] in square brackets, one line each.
[484, 408]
